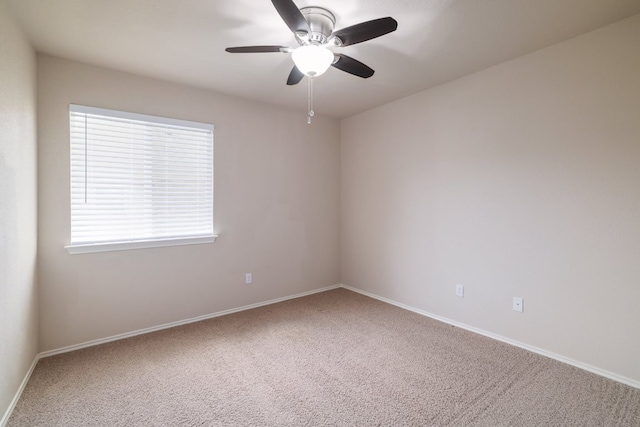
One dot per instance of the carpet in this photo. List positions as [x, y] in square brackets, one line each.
[336, 358]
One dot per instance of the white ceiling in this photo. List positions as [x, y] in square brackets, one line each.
[184, 41]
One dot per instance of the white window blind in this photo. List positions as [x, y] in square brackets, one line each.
[138, 178]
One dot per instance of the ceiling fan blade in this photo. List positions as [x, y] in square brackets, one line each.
[257, 49]
[352, 66]
[366, 31]
[294, 76]
[291, 16]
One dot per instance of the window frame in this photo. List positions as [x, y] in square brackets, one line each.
[149, 241]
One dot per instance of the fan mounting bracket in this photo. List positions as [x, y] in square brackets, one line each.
[321, 22]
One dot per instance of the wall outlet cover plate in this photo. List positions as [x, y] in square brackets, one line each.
[518, 304]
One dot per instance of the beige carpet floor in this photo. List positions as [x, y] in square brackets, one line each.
[332, 359]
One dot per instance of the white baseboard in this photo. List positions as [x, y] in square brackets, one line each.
[7, 413]
[558, 357]
[179, 323]
[92, 343]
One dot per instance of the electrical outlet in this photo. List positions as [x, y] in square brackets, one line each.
[460, 290]
[248, 278]
[518, 304]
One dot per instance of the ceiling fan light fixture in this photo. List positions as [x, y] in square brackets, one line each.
[312, 60]
[313, 29]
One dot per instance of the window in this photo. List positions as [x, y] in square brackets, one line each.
[138, 181]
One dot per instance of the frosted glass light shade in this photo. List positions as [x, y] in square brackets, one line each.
[312, 60]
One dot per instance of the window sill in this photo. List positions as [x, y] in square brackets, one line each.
[140, 244]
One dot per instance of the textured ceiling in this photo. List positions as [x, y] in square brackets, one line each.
[184, 41]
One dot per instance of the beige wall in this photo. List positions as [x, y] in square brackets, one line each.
[520, 180]
[18, 302]
[276, 211]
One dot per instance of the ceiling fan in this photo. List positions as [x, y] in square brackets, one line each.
[313, 29]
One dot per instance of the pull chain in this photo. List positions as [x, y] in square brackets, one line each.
[310, 99]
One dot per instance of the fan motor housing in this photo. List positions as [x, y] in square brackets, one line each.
[321, 21]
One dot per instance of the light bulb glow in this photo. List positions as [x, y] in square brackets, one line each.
[312, 60]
